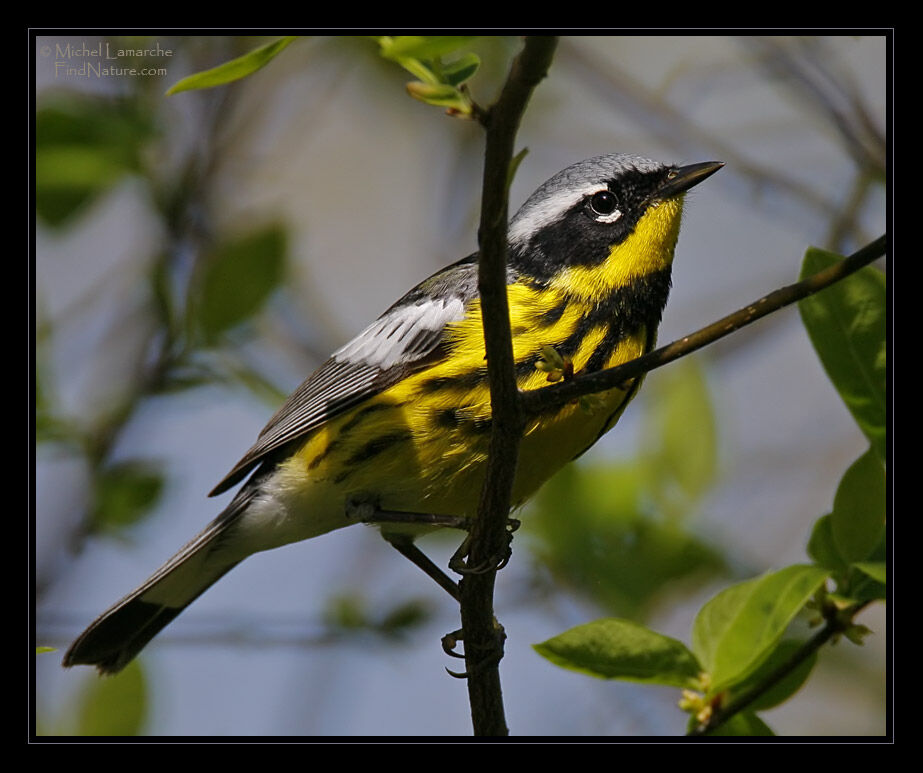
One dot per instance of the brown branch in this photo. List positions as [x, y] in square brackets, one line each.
[487, 539]
[551, 397]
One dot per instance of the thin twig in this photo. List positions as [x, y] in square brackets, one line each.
[551, 397]
[847, 220]
[482, 634]
[805, 65]
[837, 622]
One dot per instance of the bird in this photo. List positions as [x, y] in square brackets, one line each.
[398, 419]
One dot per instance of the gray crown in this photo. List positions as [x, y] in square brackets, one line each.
[568, 186]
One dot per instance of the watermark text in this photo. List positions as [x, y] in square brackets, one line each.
[105, 59]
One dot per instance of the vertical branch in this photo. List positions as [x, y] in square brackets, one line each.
[483, 635]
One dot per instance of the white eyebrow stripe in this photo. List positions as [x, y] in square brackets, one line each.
[561, 192]
[531, 219]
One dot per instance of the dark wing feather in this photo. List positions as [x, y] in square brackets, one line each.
[405, 338]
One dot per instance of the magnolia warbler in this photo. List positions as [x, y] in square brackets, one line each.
[400, 415]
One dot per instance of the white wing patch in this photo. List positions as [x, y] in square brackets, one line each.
[401, 333]
[362, 368]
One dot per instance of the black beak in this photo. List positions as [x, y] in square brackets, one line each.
[682, 178]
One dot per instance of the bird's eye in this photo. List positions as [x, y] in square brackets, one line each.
[604, 207]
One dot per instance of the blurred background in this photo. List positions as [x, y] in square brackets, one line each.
[198, 255]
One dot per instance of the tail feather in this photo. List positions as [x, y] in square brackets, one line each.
[113, 640]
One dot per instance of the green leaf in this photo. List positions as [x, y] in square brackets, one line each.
[716, 620]
[116, 124]
[782, 690]
[347, 612]
[404, 617]
[864, 588]
[682, 444]
[440, 95]
[42, 649]
[457, 72]
[621, 649]
[239, 277]
[595, 535]
[421, 46]
[115, 706]
[235, 69]
[83, 146]
[744, 723]
[48, 427]
[847, 326]
[822, 547]
[858, 518]
[737, 629]
[877, 570]
[76, 167]
[438, 81]
[869, 579]
[124, 493]
[515, 162]
[461, 70]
